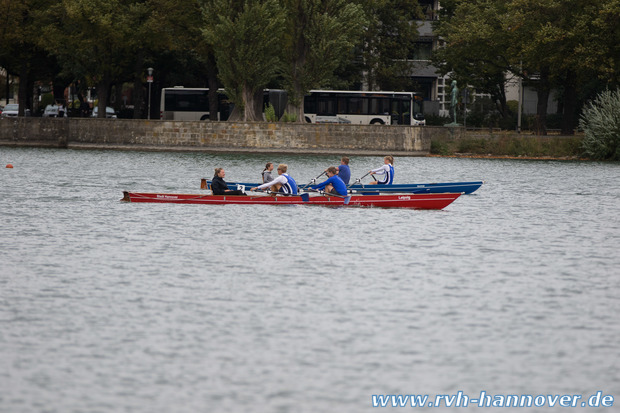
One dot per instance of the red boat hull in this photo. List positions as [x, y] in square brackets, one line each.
[416, 201]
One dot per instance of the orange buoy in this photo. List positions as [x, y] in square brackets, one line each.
[9, 165]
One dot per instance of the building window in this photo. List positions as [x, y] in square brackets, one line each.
[422, 51]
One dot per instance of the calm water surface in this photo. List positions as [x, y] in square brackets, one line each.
[115, 307]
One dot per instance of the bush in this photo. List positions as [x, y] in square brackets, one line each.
[440, 148]
[600, 122]
[46, 99]
[289, 117]
[270, 113]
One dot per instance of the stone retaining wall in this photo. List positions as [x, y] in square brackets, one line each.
[217, 136]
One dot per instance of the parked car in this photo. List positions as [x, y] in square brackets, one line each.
[12, 109]
[109, 112]
[51, 111]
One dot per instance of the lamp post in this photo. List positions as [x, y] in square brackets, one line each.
[149, 79]
[520, 108]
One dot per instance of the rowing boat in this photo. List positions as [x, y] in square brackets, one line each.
[431, 188]
[416, 201]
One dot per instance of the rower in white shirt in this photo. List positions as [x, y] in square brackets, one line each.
[283, 183]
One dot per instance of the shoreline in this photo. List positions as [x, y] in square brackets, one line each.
[511, 157]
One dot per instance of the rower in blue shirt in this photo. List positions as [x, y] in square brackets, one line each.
[343, 170]
[333, 184]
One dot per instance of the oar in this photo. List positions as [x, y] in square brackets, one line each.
[304, 197]
[347, 198]
[313, 181]
[359, 180]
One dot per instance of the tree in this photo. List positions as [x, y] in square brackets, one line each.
[476, 50]
[600, 122]
[389, 41]
[20, 54]
[319, 36]
[247, 53]
[545, 42]
[89, 37]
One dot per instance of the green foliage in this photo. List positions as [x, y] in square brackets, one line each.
[473, 146]
[320, 35]
[389, 41]
[246, 42]
[47, 99]
[270, 113]
[440, 148]
[600, 121]
[289, 117]
[511, 145]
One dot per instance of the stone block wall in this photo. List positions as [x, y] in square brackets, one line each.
[217, 136]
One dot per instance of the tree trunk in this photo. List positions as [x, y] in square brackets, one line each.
[570, 105]
[138, 87]
[118, 91]
[102, 94]
[296, 104]
[235, 115]
[252, 104]
[22, 95]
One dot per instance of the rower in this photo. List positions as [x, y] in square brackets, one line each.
[386, 169]
[333, 184]
[283, 183]
[219, 186]
[344, 172]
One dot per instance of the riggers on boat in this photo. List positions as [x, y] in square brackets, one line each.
[431, 188]
[415, 201]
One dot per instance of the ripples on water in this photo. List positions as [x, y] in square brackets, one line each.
[109, 306]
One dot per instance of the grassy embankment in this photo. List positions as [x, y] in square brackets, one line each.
[510, 145]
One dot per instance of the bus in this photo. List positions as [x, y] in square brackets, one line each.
[181, 103]
[364, 107]
[320, 106]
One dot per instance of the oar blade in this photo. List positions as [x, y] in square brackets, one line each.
[347, 199]
[305, 197]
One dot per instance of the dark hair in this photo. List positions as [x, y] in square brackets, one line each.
[267, 166]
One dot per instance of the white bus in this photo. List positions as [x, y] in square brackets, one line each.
[180, 103]
[320, 106]
[364, 107]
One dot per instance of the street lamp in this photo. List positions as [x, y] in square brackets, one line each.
[149, 79]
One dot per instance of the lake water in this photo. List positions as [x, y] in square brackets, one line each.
[108, 306]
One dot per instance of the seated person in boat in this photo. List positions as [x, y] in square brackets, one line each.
[386, 169]
[333, 184]
[267, 177]
[283, 183]
[219, 186]
[344, 172]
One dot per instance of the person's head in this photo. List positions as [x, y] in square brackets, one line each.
[282, 168]
[220, 172]
[268, 167]
[331, 171]
[344, 160]
[388, 159]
